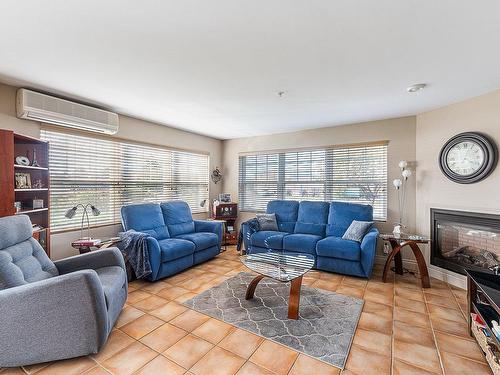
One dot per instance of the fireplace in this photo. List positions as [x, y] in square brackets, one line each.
[465, 240]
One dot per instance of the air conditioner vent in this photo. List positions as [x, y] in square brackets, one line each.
[32, 105]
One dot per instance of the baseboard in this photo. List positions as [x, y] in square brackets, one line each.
[450, 277]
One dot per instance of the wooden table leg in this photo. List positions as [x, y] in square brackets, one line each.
[395, 251]
[252, 286]
[398, 259]
[294, 300]
[422, 267]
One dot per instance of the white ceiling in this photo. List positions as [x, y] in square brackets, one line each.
[215, 67]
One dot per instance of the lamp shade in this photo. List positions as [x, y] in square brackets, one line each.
[95, 211]
[397, 183]
[403, 164]
[70, 214]
[406, 173]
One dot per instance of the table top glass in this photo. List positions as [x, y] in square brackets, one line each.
[279, 265]
[403, 237]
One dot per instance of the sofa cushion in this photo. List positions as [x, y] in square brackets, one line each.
[112, 280]
[267, 222]
[312, 218]
[286, 214]
[174, 248]
[301, 243]
[177, 216]
[146, 218]
[342, 214]
[268, 239]
[357, 230]
[202, 240]
[336, 247]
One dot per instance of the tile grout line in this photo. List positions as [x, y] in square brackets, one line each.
[434, 333]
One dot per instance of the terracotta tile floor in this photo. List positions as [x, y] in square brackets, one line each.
[403, 330]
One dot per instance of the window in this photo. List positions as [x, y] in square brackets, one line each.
[356, 173]
[110, 173]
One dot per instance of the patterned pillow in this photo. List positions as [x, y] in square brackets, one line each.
[357, 230]
[267, 222]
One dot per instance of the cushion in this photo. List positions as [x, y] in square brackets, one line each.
[336, 247]
[268, 239]
[174, 248]
[267, 222]
[112, 279]
[202, 240]
[177, 216]
[342, 214]
[286, 214]
[146, 218]
[301, 243]
[357, 230]
[312, 218]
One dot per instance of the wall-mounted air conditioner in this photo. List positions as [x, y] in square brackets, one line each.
[32, 105]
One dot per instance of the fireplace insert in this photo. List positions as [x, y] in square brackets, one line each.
[465, 240]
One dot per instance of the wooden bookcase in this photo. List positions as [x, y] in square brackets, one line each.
[13, 145]
[229, 213]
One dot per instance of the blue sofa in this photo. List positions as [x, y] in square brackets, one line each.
[317, 228]
[175, 241]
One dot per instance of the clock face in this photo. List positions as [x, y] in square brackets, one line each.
[465, 158]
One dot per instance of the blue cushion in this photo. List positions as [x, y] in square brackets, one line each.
[342, 214]
[177, 216]
[174, 248]
[312, 218]
[146, 218]
[268, 238]
[336, 247]
[202, 240]
[301, 243]
[286, 213]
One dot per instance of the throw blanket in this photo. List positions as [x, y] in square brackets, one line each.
[253, 226]
[135, 251]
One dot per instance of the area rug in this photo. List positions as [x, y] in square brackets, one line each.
[324, 330]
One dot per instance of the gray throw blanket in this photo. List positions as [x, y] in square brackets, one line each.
[253, 226]
[134, 247]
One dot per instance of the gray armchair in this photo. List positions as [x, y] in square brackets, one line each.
[54, 310]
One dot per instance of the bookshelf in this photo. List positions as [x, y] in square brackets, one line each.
[26, 185]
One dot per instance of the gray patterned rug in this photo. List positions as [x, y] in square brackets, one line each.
[324, 330]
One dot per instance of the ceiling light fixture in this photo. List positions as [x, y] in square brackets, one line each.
[416, 87]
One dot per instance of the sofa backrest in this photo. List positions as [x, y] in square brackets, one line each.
[146, 218]
[286, 214]
[22, 258]
[312, 218]
[177, 216]
[343, 213]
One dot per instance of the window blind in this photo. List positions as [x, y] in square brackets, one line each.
[356, 173]
[111, 173]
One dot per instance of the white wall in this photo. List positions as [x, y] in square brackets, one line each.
[130, 129]
[434, 190]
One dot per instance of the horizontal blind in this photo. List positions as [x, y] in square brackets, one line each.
[348, 173]
[109, 174]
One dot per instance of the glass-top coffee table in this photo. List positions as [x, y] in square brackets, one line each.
[282, 267]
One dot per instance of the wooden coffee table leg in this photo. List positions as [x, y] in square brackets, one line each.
[387, 266]
[398, 259]
[294, 300]
[252, 286]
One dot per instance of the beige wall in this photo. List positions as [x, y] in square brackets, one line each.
[399, 132]
[433, 188]
[130, 129]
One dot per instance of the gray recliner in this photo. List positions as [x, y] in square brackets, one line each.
[54, 310]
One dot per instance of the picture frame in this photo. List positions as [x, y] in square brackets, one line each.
[225, 198]
[23, 180]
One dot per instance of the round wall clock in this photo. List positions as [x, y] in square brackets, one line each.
[468, 157]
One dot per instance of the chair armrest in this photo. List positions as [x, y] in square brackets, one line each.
[93, 260]
[209, 226]
[368, 250]
[154, 257]
[61, 317]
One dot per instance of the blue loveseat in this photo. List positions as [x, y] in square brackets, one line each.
[175, 241]
[317, 228]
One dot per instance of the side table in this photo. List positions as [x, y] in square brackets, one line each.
[103, 245]
[399, 242]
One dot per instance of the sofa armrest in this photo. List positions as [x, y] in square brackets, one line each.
[60, 317]
[93, 260]
[368, 250]
[209, 226]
